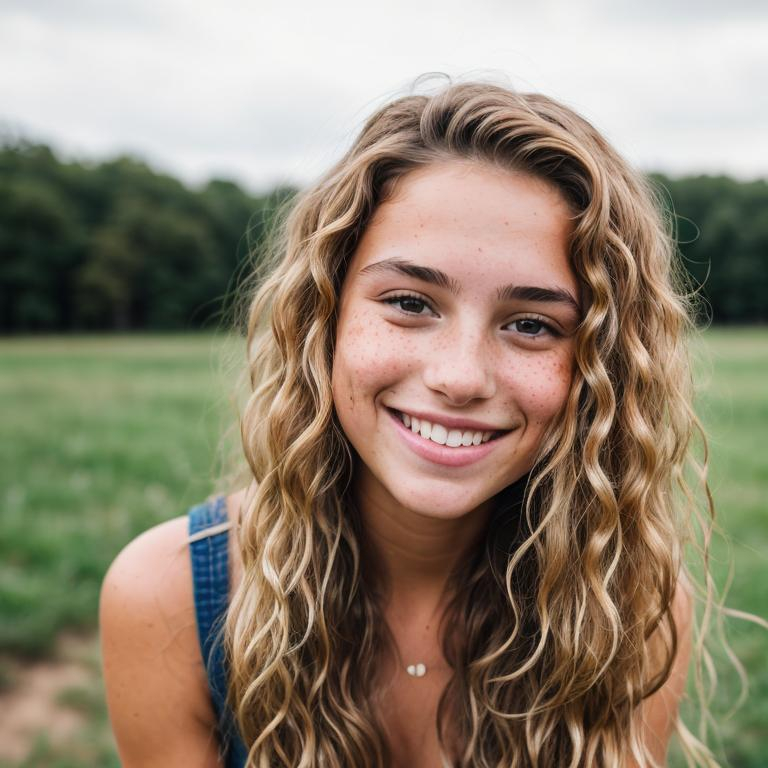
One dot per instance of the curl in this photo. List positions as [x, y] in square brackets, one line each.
[566, 612]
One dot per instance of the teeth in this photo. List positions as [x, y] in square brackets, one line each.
[454, 438]
[437, 433]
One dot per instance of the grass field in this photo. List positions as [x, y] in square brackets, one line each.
[103, 437]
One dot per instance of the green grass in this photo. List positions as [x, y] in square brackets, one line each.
[102, 437]
[733, 404]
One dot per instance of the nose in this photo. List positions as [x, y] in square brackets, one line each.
[459, 367]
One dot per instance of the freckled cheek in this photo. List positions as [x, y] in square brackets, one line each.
[370, 355]
[540, 387]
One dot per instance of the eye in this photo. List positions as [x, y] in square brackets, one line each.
[409, 304]
[533, 327]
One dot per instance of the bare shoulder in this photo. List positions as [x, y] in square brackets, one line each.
[157, 690]
[659, 711]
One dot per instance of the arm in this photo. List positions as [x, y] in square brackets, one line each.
[157, 691]
[659, 711]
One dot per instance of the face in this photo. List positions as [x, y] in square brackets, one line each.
[454, 346]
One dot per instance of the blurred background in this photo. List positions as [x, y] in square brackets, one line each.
[143, 150]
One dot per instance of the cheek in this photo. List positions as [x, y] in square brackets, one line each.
[541, 384]
[369, 355]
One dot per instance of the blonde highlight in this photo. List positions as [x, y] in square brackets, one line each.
[566, 611]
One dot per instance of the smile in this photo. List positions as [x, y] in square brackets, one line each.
[450, 446]
[441, 435]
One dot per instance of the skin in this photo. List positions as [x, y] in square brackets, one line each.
[453, 349]
[457, 351]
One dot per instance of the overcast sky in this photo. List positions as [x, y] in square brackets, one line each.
[266, 91]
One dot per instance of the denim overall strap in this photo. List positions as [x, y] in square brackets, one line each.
[208, 529]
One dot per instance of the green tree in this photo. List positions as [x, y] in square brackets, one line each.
[40, 244]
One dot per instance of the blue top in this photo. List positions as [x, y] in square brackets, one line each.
[208, 527]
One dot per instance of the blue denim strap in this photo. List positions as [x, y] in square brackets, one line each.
[208, 542]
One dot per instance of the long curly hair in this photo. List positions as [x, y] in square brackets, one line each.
[582, 557]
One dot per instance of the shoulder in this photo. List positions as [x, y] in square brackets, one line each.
[157, 690]
[659, 712]
[682, 617]
[151, 578]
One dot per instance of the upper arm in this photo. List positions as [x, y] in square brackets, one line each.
[156, 686]
[659, 711]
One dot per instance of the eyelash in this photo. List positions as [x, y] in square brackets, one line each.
[394, 300]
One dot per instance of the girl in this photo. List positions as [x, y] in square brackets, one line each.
[470, 412]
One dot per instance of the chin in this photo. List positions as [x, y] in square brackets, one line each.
[446, 505]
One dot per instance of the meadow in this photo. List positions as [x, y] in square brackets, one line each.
[105, 436]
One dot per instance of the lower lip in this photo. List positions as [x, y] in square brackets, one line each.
[441, 454]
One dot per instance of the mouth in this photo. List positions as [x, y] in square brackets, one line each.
[450, 437]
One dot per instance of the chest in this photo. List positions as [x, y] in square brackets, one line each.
[408, 712]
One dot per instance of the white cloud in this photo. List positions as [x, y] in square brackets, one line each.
[267, 91]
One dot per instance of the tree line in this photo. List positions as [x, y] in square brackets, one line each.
[118, 246]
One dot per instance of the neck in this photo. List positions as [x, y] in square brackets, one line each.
[414, 554]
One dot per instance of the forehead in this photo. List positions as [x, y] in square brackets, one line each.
[478, 223]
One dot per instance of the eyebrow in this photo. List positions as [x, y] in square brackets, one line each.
[402, 267]
[509, 292]
[534, 293]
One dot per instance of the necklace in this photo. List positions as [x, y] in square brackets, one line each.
[420, 668]
[416, 670]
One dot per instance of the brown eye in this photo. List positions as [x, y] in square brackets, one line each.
[532, 327]
[411, 305]
[528, 326]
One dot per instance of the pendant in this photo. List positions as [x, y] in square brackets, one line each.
[416, 670]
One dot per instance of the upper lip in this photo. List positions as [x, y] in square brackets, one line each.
[452, 421]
